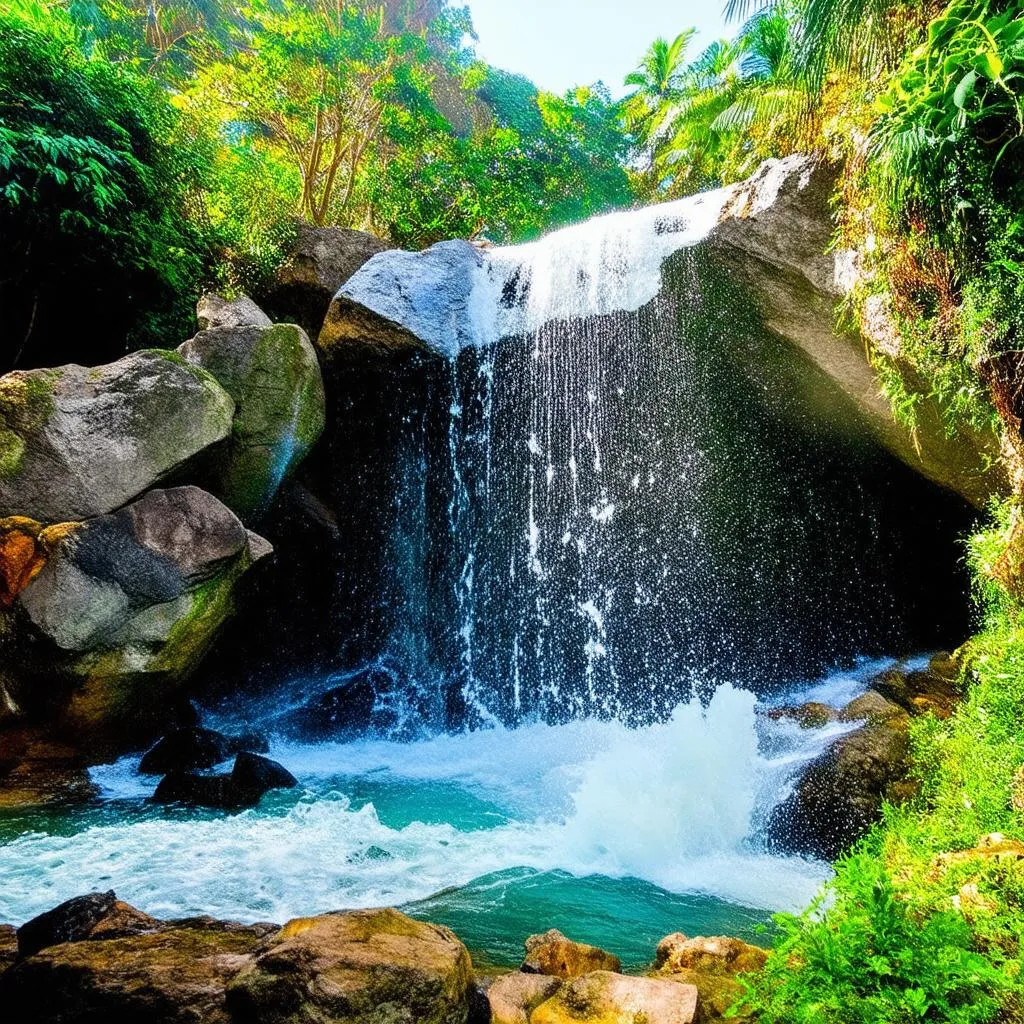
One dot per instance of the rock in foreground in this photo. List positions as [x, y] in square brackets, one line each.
[555, 955]
[350, 968]
[513, 997]
[604, 997]
[370, 965]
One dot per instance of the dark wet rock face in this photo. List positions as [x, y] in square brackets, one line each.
[354, 707]
[191, 748]
[186, 749]
[98, 915]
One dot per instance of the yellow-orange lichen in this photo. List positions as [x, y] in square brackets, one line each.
[21, 556]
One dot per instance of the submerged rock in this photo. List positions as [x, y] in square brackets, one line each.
[77, 442]
[322, 260]
[254, 775]
[604, 997]
[185, 749]
[513, 997]
[251, 777]
[553, 954]
[192, 747]
[404, 301]
[368, 965]
[272, 373]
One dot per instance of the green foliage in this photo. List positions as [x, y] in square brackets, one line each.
[870, 959]
[150, 150]
[97, 176]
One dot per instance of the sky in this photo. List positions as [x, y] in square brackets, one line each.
[561, 43]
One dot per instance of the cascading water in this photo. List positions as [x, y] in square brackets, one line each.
[653, 495]
[591, 543]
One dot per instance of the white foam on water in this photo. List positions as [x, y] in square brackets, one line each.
[675, 804]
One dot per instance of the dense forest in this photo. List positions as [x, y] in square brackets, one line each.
[149, 151]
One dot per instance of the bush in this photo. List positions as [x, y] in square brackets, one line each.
[98, 177]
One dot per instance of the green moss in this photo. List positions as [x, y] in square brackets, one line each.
[26, 402]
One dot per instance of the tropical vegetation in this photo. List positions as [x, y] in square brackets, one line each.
[150, 150]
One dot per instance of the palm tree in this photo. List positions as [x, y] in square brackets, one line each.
[862, 37]
[659, 83]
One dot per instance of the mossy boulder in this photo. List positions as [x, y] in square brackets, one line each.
[604, 997]
[77, 442]
[368, 965]
[273, 376]
[122, 609]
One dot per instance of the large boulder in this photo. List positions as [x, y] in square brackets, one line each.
[408, 301]
[369, 965]
[841, 794]
[553, 954]
[78, 442]
[604, 997]
[322, 260]
[119, 609]
[272, 373]
[176, 974]
[775, 235]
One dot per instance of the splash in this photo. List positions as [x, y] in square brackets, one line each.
[676, 805]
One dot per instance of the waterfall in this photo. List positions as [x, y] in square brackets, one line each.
[649, 494]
